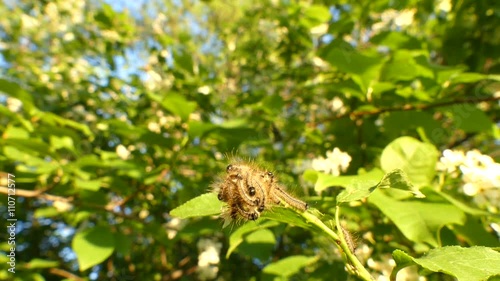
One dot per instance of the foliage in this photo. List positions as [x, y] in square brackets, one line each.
[116, 117]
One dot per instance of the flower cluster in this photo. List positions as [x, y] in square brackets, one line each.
[480, 175]
[335, 162]
[208, 259]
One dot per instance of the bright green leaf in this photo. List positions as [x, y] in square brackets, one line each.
[46, 212]
[258, 244]
[365, 67]
[13, 132]
[419, 221]
[40, 263]
[467, 77]
[465, 264]
[399, 180]
[362, 181]
[239, 234]
[316, 14]
[415, 158]
[285, 215]
[175, 103]
[92, 246]
[92, 185]
[203, 205]
[61, 142]
[288, 266]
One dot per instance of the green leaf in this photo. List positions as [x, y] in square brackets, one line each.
[175, 103]
[203, 205]
[13, 132]
[92, 246]
[46, 212]
[4, 111]
[288, 266]
[399, 122]
[471, 77]
[315, 15]
[14, 90]
[465, 264]
[92, 185]
[198, 128]
[238, 236]
[419, 221]
[55, 120]
[415, 158]
[29, 161]
[362, 181]
[399, 180]
[123, 243]
[462, 206]
[285, 215]
[359, 187]
[258, 244]
[474, 233]
[403, 66]
[469, 118]
[364, 185]
[396, 40]
[365, 67]
[40, 263]
[33, 146]
[58, 142]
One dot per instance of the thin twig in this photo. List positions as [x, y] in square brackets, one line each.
[65, 274]
[36, 193]
[408, 107]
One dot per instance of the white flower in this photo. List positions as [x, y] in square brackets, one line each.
[29, 23]
[153, 80]
[122, 152]
[62, 206]
[204, 90]
[480, 176]
[173, 226]
[470, 189]
[335, 162]
[405, 17]
[14, 105]
[154, 127]
[208, 258]
[319, 29]
[338, 105]
[444, 5]
[451, 160]
[383, 267]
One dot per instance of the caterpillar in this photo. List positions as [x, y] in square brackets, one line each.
[248, 190]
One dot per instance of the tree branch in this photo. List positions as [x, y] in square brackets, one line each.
[408, 107]
[65, 274]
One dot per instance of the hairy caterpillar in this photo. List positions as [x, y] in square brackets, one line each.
[351, 243]
[248, 190]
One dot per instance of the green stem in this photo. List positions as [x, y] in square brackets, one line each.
[359, 268]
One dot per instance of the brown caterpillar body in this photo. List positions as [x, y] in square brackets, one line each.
[248, 190]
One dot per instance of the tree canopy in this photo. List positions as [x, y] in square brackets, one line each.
[116, 119]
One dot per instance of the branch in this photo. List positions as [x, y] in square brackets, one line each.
[408, 107]
[36, 193]
[65, 274]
